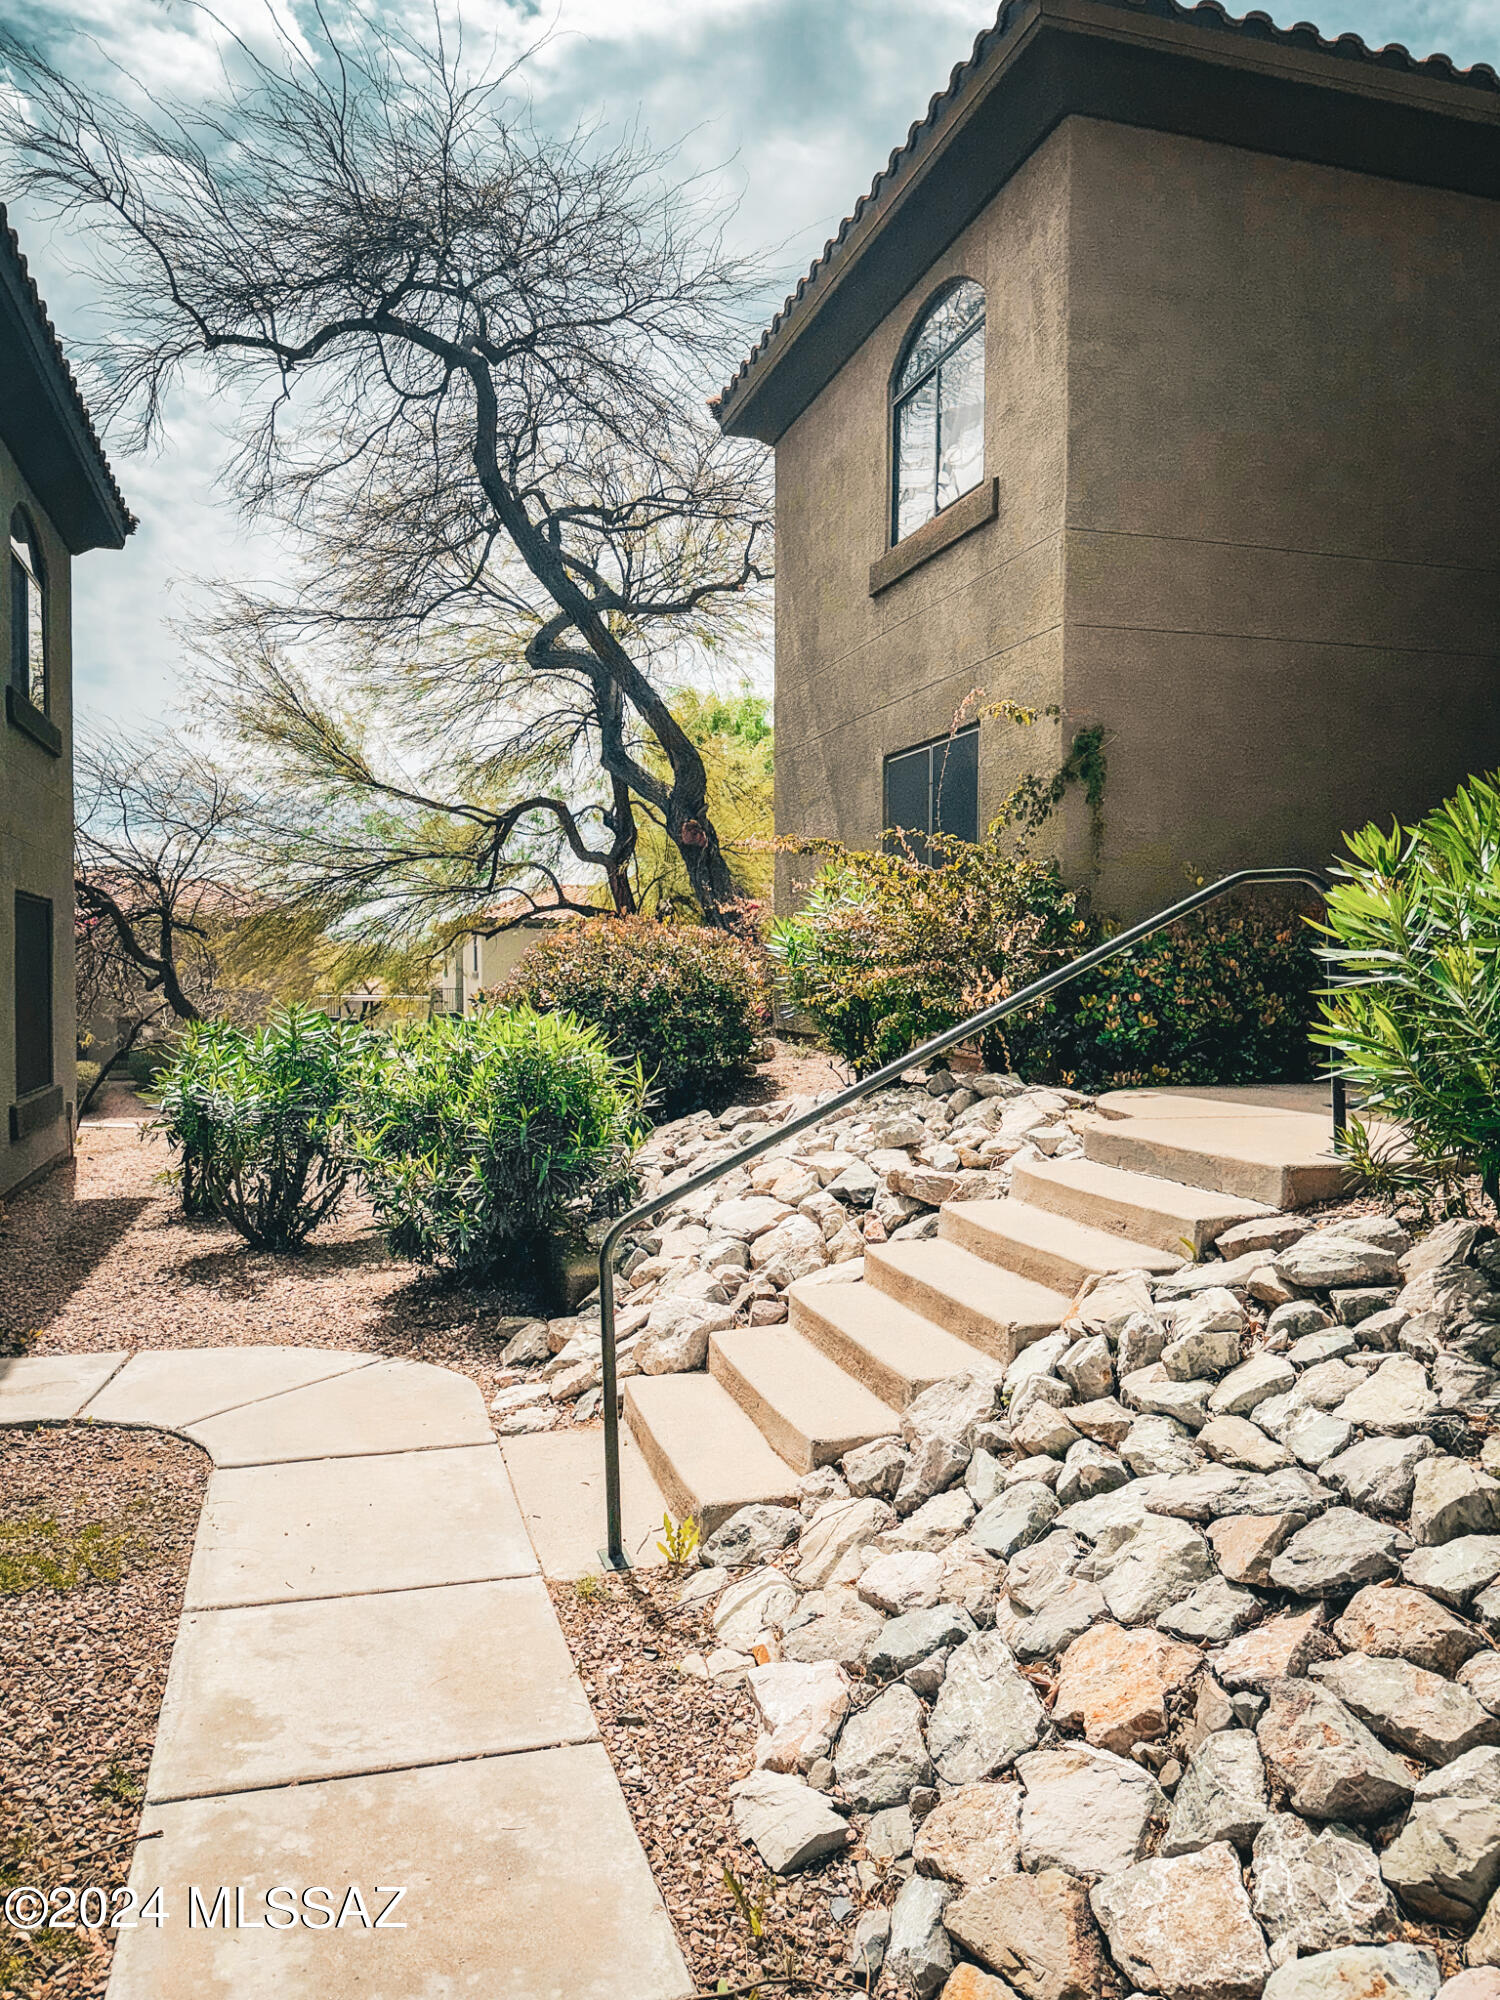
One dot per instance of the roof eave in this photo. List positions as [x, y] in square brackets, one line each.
[1266, 89]
[43, 420]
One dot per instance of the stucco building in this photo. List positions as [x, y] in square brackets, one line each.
[59, 499]
[1157, 378]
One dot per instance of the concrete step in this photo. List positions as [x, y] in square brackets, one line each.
[993, 1310]
[704, 1453]
[805, 1405]
[1168, 1215]
[1049, 1249]
[894, 1351]
[1252, 1150]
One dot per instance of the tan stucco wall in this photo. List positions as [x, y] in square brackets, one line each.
[1283, 501]
[36, 844]
[858, 677]
[1243, 415]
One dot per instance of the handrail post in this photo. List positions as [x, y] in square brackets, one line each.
[613, 1555]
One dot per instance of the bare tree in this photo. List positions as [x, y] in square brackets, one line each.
[154, 889]
[511, 336]
[391, 822]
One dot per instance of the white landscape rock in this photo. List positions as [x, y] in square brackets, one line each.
[1183, 1927]
[1085, 1810]
[986, 1715]
[1317, 1888]
[787, 1823]
[1360, 1972]
[801, 1708]
[882, 1753]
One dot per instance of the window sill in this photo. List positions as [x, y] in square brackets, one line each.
[970, 511]
[31, 722]
[35, 1112]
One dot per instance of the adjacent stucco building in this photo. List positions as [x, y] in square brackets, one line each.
[1225, 481]
[59, 499]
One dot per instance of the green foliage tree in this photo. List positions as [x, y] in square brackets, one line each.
[479, 1139]
[734, 737]
[1412, 1013]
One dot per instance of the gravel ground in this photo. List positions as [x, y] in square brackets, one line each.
[678, 1744]
[109, 1517]
[98, 1256]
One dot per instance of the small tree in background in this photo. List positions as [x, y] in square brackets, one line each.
[157, 893]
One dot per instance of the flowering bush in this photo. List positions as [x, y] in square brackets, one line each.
[688, 1003]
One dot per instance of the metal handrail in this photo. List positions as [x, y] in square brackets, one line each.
[613, 1554]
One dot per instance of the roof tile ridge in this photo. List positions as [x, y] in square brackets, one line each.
[53, 343]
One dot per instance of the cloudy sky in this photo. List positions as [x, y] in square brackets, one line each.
[796, 103]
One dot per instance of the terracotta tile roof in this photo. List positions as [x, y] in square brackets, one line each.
[1208, 16]
[10, 250]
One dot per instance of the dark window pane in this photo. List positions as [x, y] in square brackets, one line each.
[961, 420]
[916, 458]
[33, 994]
[908, 799]
[955, 786]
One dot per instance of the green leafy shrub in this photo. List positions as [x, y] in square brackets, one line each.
[886, 951]
[1225, 996]
[1412, 1017]
[146, 1062]
[254, 1117]
[480, 1138]
[686, 1002]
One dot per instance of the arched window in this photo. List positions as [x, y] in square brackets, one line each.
[937, 409]
[28, 613]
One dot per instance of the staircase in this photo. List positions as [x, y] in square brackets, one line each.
[1163, 1174]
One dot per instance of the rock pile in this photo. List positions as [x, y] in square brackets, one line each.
[1167, 1664]
[725, 1257]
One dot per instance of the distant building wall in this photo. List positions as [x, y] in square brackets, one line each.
[36, 853]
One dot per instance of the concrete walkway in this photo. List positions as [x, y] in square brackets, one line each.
[369, 1692]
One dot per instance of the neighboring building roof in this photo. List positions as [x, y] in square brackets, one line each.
[1196, 71]
[43, 418]
[543, 905]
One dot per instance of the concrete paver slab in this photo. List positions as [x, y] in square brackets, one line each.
[559, 1481]
[524, 1881]
[277, 1694]
[336, 1526]
[50, 1388]
[176, 1386]
[394, 1406]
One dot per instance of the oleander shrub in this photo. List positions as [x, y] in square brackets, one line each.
[689, 1004]
[886, 951]
[253, 1116]
[1412, 1012]
[480, 1139]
